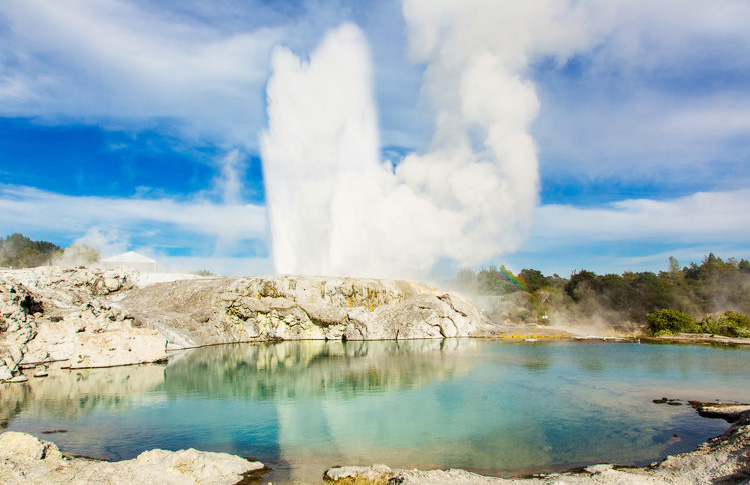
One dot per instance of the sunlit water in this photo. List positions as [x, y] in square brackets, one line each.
[301, 407]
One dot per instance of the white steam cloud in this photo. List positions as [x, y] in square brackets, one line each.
[336, 209]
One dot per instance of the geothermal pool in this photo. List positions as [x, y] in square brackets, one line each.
[490, 406]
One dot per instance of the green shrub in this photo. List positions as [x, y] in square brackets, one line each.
[668, 321]
[730, 324]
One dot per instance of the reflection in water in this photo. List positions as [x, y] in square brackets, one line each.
[303, 406]
[70, 394]
[313, 368]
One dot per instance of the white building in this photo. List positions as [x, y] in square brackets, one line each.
[131, 259]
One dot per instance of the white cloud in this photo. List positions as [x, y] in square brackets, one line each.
[164, 222]
[637, 234]
[663, 94]
[701, 217]
[110, 59]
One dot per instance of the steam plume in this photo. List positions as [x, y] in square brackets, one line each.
[336, 209]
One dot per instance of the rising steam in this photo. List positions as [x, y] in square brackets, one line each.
[336, 209]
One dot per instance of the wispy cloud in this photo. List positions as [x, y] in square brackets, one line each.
[704, 216]
[663, 94]
[112, 59]
[167, 222]
[630, 91]
[636, 234]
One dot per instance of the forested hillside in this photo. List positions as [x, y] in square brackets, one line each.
[19, 251]
[624, 301]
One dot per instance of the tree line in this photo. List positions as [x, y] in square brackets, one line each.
[710, 297]
[19, 251]
[703, 292]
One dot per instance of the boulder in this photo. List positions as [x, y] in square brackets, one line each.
[27, 459]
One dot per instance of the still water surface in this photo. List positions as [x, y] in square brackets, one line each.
[300, 407]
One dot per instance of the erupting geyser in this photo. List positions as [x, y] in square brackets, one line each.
[336, 209]
[322, 134]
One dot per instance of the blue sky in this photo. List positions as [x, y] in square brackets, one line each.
[134, 125]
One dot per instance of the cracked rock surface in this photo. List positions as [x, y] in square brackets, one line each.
[225, 310]
[61, 315]
[85, 317]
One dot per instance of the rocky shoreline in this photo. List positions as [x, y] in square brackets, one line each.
[27, 459]
[724, 459]
[87, 318]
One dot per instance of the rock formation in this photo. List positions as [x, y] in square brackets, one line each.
[91, 318]
[53, 314]
[201, 312]
[25, 459]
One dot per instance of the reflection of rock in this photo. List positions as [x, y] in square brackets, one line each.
[266, 371]
[77, 392]
[315, 368]
[200, 312]
[26, 459]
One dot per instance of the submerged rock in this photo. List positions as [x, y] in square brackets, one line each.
[26, 459]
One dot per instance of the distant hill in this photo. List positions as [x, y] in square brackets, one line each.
[20, 251]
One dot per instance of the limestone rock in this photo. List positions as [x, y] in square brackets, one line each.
[94, 318]
[730, 412]
[26, 459]
[373, 473]
[5, 373]
[201, 312]
[54, 314]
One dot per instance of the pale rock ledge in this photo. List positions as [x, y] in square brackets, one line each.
[26, 459]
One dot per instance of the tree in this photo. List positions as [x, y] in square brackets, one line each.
[674, 266]
[491, 281]
[20, 251]
[668, 321]
[466, 280]
[580, 284]
[533, 279]
[729, 323]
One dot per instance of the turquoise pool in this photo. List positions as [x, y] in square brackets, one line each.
[490, 406]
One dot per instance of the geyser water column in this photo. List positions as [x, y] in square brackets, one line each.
[322, 128]
[335, 209]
